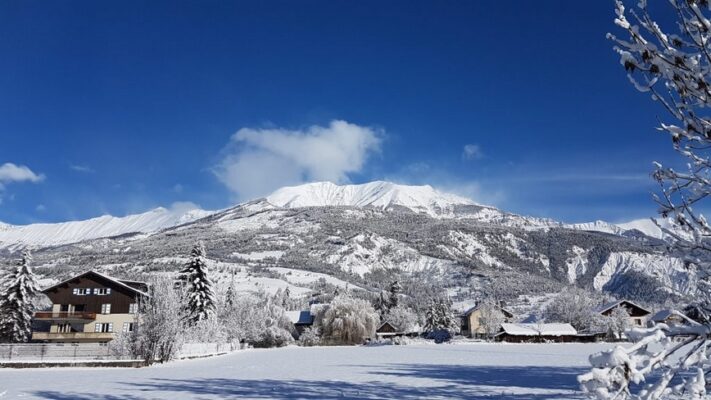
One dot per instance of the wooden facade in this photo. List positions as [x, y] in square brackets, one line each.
[90, 307]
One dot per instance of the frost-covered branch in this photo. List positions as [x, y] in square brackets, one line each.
[670, 361]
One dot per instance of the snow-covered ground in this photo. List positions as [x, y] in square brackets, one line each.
[454, 371]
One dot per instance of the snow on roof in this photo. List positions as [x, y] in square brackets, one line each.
[300, 317]
[476, 307]
[662, 316]
[611, 305]
[538, 329]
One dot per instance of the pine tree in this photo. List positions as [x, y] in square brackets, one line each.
[230, 295]
[440, 322]
[200, 296]
[16, 302]
[395, 290]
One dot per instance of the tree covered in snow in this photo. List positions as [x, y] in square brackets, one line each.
[348, 320]
[198, 286]
[490, 318]
[394, 294]
[159, 333]
[401, 318]
[259, 320]
[16, 307]
[618, 321]
[576, 307]
[440, 321]
[672, 64]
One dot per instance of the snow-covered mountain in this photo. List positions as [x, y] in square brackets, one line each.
[379, 194]
[46, 234]
[643, 225]
[360, 233]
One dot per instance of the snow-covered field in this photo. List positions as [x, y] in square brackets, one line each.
[454, 371]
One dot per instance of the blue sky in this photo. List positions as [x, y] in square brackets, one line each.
[119, 107]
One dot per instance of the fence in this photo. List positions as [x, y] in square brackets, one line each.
[56, 352]
[191, 350]
[96, 351]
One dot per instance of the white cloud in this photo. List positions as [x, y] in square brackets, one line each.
[257, 161]
[10, 172]
[472, 152]
[81, 168]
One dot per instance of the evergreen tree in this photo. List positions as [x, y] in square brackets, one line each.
[199, 292]
[440, 322]
[395, 290]
[230, 295]
[16, 302]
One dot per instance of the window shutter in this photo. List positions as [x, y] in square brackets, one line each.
[97, 327]
[108, 291]
[111, 327]
[75, 291]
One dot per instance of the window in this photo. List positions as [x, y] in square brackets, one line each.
[64, 308]
[106, 308]
[127, 327]
[81, 291]
[133, 308]
[64, 328]
[104, 328]
[102, 291]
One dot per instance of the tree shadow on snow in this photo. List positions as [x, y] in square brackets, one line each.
[451, 382]
[561, 378]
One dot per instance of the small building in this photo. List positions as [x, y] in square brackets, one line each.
[671, 318]
[638, 314]
[301, 320]
[387, 330]
[470, 323]
[536, 333]
[90, 307]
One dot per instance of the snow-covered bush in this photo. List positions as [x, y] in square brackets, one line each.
[348, 321]
[258, 320]
[309, 337]
[209, 330]
[675, 69]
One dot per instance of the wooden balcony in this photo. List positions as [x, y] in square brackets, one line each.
[73, 336]
[63, 316]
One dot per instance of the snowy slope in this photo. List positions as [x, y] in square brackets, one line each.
[104, 226]
[376, 194]
[644, 225]
[598, 226]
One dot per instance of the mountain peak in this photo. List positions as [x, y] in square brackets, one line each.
[379, 194]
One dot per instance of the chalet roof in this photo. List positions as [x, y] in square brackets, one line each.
[663, 315]
[609, 306]
[468, 312]
[384, 324]
[300, 317]
[117, 282]
[538, 329]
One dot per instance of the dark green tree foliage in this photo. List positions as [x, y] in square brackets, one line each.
[16, 307]
[198, 287]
